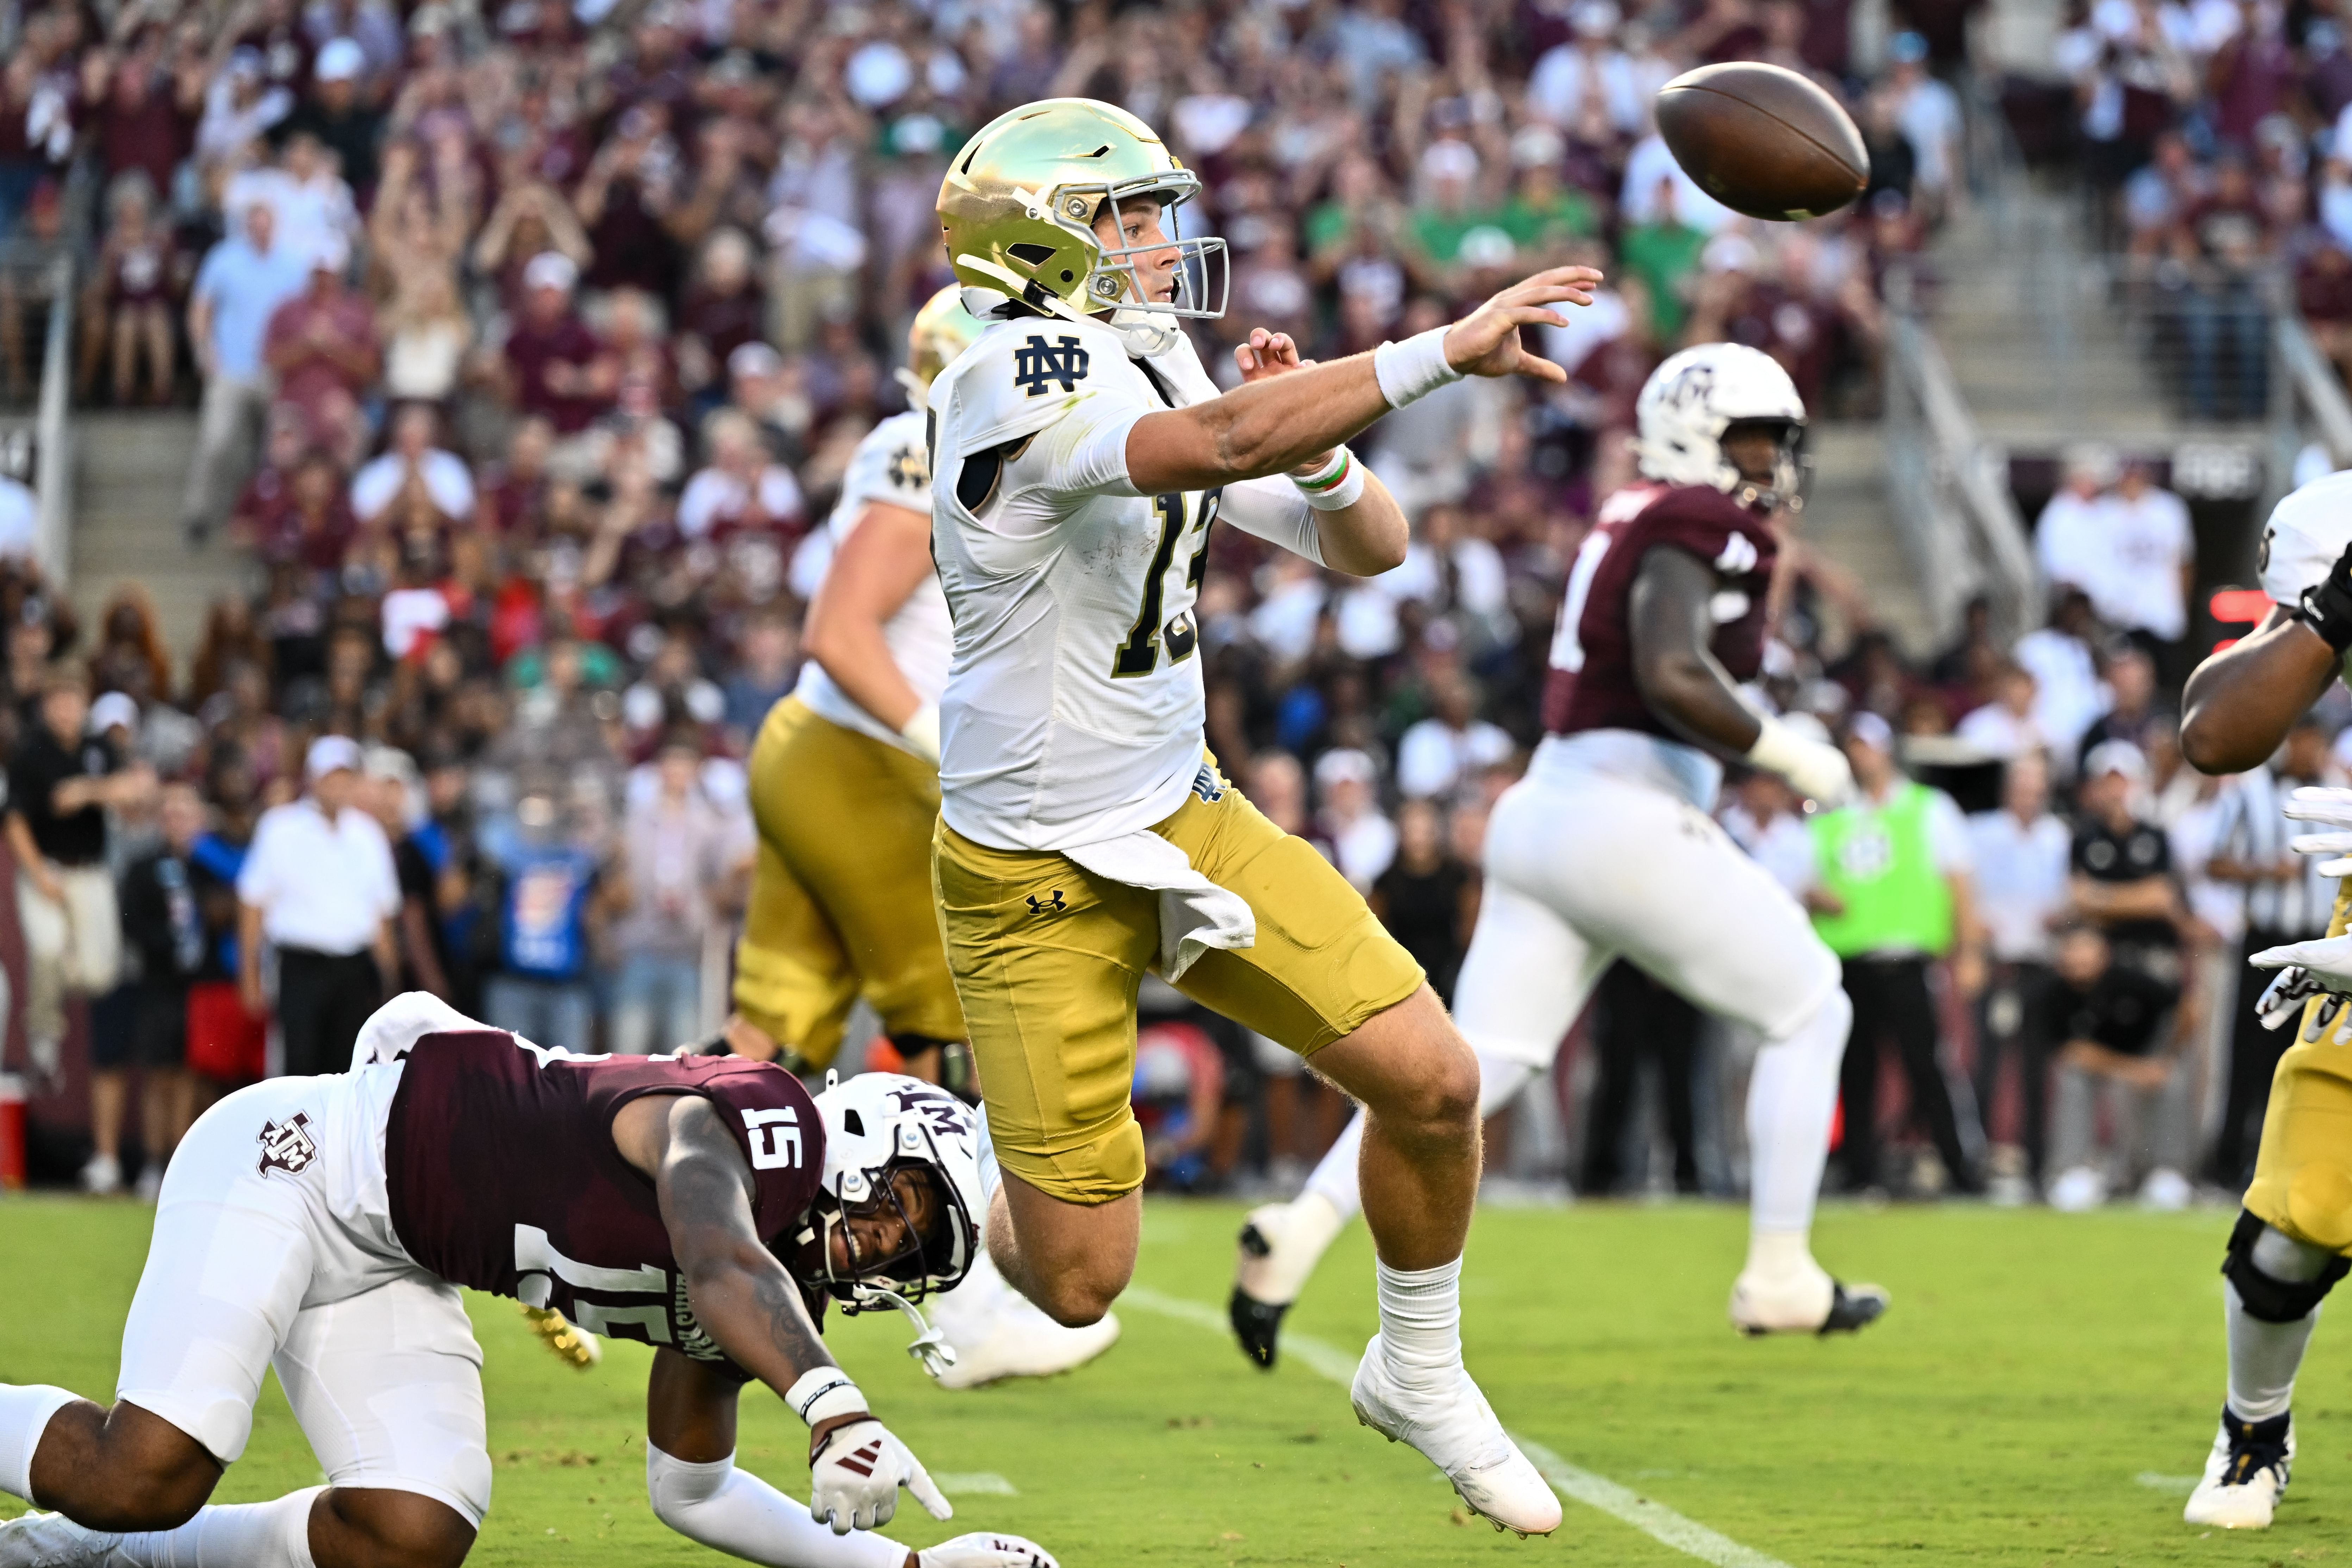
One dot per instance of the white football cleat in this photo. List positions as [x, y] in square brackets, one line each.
[1020, 1340]
[1455, 1429]
[2245, 1475]
[1806, 1302]
[53, 1540]
[2078, 1190]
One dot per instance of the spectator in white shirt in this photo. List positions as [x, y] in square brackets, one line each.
[1928, 113]
[1453, 743]
[413, 468]
[740, 489]
[2073, 528]
[2068, 695]
[2021, 857]
[1363, 841]
[1589, 78]
[318, 887]
[2150, 565]
[2005, 728]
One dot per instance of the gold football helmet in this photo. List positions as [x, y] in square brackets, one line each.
[943, 330]
[1019, 205]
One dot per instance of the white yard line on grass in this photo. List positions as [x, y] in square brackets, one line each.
[2182, 1485]
[974, 1483]
[1652, 1519]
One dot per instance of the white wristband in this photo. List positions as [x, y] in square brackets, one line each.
[824, 1392]
[1414, 368]
[1336, 486]
[922, 732]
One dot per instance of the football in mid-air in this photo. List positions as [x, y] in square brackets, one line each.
[1763, 141]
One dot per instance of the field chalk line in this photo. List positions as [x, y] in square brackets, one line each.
[1652, 1519]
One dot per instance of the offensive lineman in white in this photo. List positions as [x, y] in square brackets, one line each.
[1080, 457]
[1606, 849]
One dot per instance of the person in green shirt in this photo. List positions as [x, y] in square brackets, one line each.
[1664, 254]
[1891, 895]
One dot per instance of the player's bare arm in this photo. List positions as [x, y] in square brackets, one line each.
[2240, 702]
[1679, 678]
[1266, 428]
[1364, 539]
[739, 1290]
[885, 558]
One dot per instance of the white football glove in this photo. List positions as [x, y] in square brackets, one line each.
[2321, 968]
[856, 1474]
[2332, 808]
[1813, 768]
[985, 1548]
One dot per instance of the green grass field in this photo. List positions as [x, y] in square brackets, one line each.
[2039, 1386]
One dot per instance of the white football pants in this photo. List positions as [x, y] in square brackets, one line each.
[1583, 869]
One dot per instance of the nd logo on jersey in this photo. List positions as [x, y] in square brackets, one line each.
[1036, 362]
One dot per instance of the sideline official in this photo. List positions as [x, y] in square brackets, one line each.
[319, 886]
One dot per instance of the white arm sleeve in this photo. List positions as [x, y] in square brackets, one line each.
[1273, 511]
[734, 1511]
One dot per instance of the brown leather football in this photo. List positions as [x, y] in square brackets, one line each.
[1762, 140]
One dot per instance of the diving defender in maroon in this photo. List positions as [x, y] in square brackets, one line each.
[707, 1207]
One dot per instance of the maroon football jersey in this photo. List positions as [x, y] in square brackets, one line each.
[503, 1175]
[1591, 684]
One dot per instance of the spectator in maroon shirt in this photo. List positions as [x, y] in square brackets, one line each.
[147, 119]
[321, 345]
[556, 367]
[313, 526]
[723, 309]
[510, 489]
[631, 187]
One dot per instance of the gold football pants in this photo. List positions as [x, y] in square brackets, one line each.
[1047, 959]
[841, 891]
[2303, 1175]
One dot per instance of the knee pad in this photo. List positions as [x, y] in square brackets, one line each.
[2265, 1296]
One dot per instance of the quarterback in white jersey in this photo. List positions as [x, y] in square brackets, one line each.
[845, 792]
[2292, 1241]
[1080, 456]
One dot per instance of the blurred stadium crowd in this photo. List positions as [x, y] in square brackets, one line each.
[531, 341]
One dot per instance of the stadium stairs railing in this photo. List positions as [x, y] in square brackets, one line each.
[1948, 484]
[53, 456]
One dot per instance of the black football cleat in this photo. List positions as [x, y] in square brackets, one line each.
[1856, 1308]
[1258, 1324]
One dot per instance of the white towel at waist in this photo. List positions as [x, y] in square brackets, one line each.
[1195, 914]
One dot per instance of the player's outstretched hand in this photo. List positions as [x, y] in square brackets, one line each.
[985, 1548]
[2332, 810]
[855, 1474]
[1267, 354]
[1487, 340]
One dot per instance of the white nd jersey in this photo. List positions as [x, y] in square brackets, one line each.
[2308, 532]
[888, 465]
[1074, 709]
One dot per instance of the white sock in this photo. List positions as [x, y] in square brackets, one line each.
[2265, 1356]
[1791, 1097]
[1303, 1232]
[232, 1535]
[24, 1412]
[1420, 1320]
[1334, 1177]
[967, 1313]
[1775, 1256]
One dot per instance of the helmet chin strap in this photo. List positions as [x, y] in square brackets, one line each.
[930, 1345]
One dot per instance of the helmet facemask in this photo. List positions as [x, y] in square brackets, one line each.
[1791, 468]
[1113, 283]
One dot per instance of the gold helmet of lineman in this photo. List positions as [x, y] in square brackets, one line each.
[1018, 208]
[943, 330]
